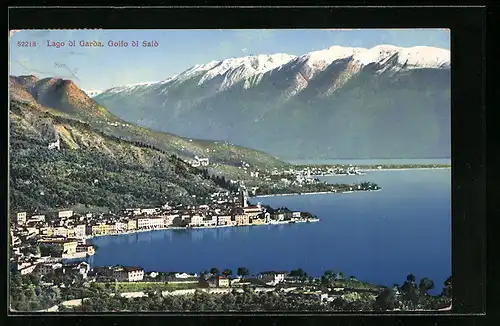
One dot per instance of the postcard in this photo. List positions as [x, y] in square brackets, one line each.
[230, 170]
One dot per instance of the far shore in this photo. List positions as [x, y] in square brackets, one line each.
[372, 170]
[314, 193]
[406, 169]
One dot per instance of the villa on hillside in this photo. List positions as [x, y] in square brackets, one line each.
[197, 162]
[120, 273]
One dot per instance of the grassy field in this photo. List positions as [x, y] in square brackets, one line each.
[147, 286]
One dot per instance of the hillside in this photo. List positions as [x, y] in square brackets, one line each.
[384, 102]
[64, 99]
[102, 161]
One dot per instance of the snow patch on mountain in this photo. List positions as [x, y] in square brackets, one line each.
[92, 93]
[131, 87]
[245, 67]
[331, 54]
[251, 70]
[413, 57]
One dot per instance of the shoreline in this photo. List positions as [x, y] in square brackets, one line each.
[374, 170]
[407, 169]
[310, 220]
[314, 193]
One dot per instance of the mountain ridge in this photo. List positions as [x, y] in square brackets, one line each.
[76, 153]
[386, 101]
[366, 56]
[71, 102]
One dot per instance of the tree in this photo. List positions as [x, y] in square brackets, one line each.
[328, 274]
[214, 271]
[242, 271]
[425, 285]
[227, 272]
[447, 287]
[298, 273]
[411, 278]
[411, 294]
[385, 300]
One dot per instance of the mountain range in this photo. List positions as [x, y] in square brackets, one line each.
[383, 102]
[67, 150]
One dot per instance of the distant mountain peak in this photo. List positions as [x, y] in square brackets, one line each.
[57, 93]
[350, 95]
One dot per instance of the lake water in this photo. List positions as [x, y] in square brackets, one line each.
[379, 237]
[375, 161]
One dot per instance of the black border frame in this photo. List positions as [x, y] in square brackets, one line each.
[468, 41]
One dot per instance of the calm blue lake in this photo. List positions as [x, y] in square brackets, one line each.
[379, 237]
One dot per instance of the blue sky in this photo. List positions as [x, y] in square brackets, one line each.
[177, 50]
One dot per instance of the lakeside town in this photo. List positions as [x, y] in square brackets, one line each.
[38, 243]
[51, 250]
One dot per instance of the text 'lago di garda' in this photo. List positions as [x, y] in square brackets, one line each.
[100, 44]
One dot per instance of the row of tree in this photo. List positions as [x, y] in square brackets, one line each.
[242, 271]
[411, 296]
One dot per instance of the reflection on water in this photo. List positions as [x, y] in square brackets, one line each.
[196, 235]
[168, 235]
[224, 233]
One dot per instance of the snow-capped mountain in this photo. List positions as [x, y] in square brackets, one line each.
[92, 93]
[337, 102]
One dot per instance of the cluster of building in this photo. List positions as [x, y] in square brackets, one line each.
[39, 245]
[36, 238]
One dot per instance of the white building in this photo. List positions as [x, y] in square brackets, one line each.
[148, 211]
[273, 278]
[37, 218]
[156, 222]
[127, 274]
[28, 269]
[55, 145]
[21, 218]
[196, 220]
[200, 161]
[65, 214]
[185, 275]
[80, 231]
[81, 268]
[143, 223]
[169, 219]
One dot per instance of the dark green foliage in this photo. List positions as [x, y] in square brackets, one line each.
[425, 285]
[447, 288]
[298, 273]
[242, 271]
[26, 293]
[386, 300]
[45, 179]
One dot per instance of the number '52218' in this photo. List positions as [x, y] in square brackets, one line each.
[26, 44]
